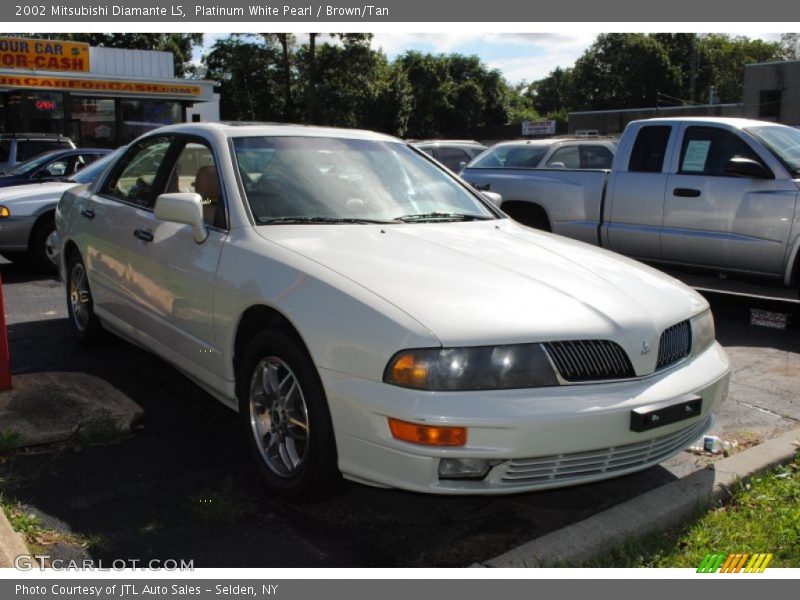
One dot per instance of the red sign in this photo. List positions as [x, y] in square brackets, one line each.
[46, 105]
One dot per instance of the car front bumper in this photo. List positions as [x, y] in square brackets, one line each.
[536, 438]
[14, 233]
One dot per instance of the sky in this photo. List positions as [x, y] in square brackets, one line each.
[518, 56]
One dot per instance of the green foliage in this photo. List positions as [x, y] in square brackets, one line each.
[722, 59]
[248, 71]
[763, 516]
[9, 440]
[453, 94]
[623, 70]
[632, 70]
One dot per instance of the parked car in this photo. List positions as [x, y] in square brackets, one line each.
[369, 313]
[55, 165]
[453, 154]
[551, 153]
[713, 193]
[27, 222]
[19, 147]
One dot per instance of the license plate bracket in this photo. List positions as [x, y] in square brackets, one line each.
[653, 416]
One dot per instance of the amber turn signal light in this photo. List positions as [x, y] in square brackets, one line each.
[428, 435]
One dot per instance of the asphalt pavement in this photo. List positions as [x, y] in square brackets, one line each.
[182, 486]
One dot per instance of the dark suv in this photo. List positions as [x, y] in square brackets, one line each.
[19, 147]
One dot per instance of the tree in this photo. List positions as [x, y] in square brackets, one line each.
[623, 70]
[722, 61]
[554, 95]
[287, 42]
[453, 94]
[246, 69]
[180, 44]
[360, 87]
[790, 46]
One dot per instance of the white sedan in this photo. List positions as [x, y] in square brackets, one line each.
[369, 314]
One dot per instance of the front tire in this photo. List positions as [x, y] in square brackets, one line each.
[80, 304]
[285, 418]
[40, 251]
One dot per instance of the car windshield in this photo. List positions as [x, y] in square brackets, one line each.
[90, 173]
[333, 180]
[32, 164]
[510, 157]
[784, 142]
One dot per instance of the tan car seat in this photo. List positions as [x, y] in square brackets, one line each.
[206, 183]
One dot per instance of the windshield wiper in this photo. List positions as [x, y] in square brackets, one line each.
[317, 220]
[442, 216]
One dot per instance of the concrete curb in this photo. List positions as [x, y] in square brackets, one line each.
[11, 543]
[657, 510]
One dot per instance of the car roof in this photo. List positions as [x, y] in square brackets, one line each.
[734, 122]
[248, 129]
[35, 136]
[446, 143]
[555, 141]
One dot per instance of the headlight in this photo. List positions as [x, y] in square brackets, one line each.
[4, 212]
[480, 368]
[703, 334]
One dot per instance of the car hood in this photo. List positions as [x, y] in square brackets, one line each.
[33, 191]
[496, 282]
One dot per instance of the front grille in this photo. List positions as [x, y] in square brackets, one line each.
[561, 468]
[675, 344]
[589, 360]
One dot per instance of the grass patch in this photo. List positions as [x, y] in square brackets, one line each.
[220, 506]
[762, 516]
[9, 440]
[36, 535]
[103, 430]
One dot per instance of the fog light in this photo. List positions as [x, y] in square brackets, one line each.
[464, 468]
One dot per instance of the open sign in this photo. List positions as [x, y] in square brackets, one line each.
[45, 105]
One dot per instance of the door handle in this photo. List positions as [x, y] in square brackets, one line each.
[141, 234]
[686, 192]
[87, 213]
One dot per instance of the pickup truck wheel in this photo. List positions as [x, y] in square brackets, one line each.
[39, 247]
[285, 417]
[80, 305]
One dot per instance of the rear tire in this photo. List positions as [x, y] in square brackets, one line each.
[80, 305]
[285, 418]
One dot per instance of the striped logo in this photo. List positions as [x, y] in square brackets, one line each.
[734, 563]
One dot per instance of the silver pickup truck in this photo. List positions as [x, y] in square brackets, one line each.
[712, 193]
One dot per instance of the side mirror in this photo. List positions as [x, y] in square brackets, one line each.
[557, 165]
[747, 167]
[186, 208]
[494, 198]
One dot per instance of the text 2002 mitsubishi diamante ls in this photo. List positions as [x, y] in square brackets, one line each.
[369, 314]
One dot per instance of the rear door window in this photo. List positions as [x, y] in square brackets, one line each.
[649, 149]
[566, 157]
[596, 157]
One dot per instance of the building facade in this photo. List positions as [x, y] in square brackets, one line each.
[102, 97]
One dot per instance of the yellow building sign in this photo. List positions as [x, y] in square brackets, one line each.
[44, 55]
[97, 85]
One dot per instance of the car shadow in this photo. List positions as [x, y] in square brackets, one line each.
[13, 272]
[181, 485]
